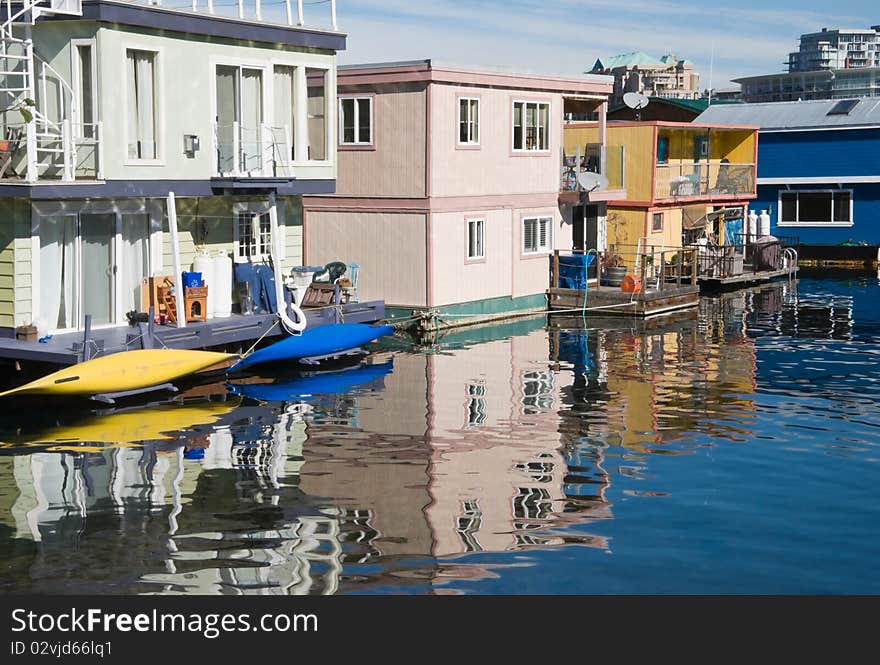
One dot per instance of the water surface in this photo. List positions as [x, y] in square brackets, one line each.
[730, 450]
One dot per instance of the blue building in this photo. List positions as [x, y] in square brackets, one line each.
[818, 166]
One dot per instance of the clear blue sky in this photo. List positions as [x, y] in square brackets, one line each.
[566, 36]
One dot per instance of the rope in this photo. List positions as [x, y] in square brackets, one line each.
[268, 330]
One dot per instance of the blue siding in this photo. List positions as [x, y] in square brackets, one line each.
[866, 214]
[819, 153]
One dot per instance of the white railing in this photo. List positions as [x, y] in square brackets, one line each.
[285, 12]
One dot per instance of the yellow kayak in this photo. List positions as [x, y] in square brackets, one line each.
[120, 372]
[151, 423]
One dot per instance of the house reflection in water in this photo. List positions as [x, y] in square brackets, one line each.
[498, 439]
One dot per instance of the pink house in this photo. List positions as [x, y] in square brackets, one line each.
[448, 186]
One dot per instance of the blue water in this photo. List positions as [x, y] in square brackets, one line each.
[730, 450]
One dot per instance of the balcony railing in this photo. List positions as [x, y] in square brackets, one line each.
[703, 179]
[285, 12]
[591, 158]
[262, 151]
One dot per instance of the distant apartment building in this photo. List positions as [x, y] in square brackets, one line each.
[829, 64]
[837, 49]
[666, 77]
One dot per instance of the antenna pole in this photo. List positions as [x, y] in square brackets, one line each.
[711, 67]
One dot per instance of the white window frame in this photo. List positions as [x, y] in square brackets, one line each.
[77, 87]
[798, 223]
[159, 101]
[473, 123]
[539, 248]
[358, 100]
[480, 224]
[256, 210]
[526, 103]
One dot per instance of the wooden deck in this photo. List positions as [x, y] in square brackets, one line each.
[746, 277]
[236, 331]
[610, 301]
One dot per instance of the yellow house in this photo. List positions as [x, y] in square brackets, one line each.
[675, 174]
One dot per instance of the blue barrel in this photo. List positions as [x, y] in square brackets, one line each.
[192, 279]
[573, 270]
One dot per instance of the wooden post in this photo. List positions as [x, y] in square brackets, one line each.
[662, 279]
[554, 270]
[642, 274]
[678, 269]
[693, 267]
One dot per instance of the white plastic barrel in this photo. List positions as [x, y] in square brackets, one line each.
[751, 229]
[763, 224]
[223, 275]
[205, 265]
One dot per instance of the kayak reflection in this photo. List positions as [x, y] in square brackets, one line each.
[306, 387]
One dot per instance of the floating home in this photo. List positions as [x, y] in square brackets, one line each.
[158, 138]
[688, 186]
[453, 190]
[819, 177]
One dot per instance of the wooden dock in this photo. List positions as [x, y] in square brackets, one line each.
[236, 331]
[661, 287]
[610, 301]
[745, 278]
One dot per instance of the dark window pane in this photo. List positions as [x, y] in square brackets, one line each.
[841, 207]
[364, 120]
[789, 207]
[814, 207]
[348, 121]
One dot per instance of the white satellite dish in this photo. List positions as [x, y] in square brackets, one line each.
[592, 181]
[635, 100]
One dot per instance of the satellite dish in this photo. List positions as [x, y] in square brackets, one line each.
[635, 100]
[592, 181]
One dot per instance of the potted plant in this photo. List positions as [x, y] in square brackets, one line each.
[612, 261]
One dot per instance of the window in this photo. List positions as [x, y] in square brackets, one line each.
[85, 89]
[537, 235]
[240, 118]
[657, 222]
[476, 239]
[816, 208]
[468, 121]
[531, 126]
[285, 112]
[355, 121]
[253, 237]
[316, 82]
[142, 107]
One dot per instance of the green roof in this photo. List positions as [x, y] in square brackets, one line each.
[626, 60]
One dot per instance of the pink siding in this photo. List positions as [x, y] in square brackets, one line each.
[505, 270]
[388, 247]
[396, 167]
[492, 169]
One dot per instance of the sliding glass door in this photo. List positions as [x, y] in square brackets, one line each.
[91, 263]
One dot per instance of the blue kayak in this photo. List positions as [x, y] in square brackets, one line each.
[308, 387]
[320, 341]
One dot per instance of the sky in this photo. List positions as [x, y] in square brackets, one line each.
[723, 40]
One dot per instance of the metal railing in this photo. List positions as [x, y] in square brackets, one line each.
[702, 179]
[606, 161]
[253, 151]
[285, 12]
